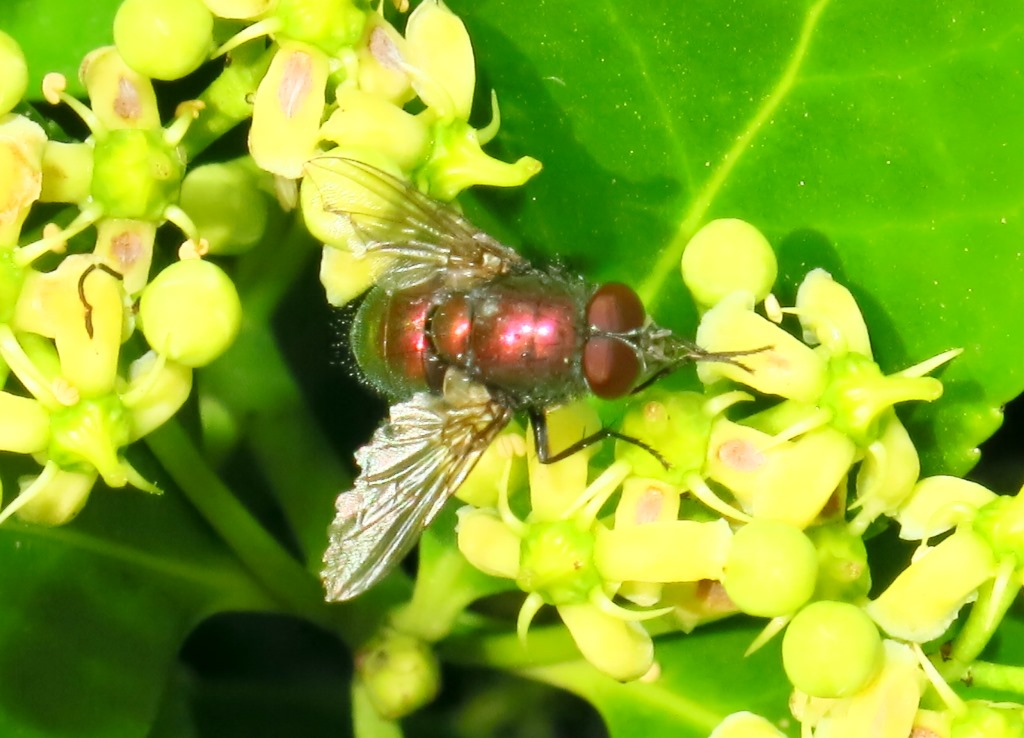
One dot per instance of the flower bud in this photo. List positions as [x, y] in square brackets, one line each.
[887, 707]
[666, 551]
[67, 172]
[345, 276]
[119, 96]
[126, 246]
[481, 486]
[331, 26]
[938, 503]
[621, 649]
[746, 725]
[785, 367]
[21, 155]
[156, 391]
[227, 203]
[58, 500]
[440, 50]
[24, 425]
[771, 568]
[789, 481]
[13, 74]
[888, 473]
[830, 316]
[363, 121]
[382, 63]
[554, 488]
[925, 598]
[191, 312]
[164, 39]
[487, 543]
[726, 256]
[843, 571]
[287, 109]
[400, 672]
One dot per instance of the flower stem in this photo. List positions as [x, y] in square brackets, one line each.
[270, 564]
[995, 676]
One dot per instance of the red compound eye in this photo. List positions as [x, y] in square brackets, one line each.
[615, 308]
[610, 366]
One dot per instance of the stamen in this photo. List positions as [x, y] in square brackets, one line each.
[531, 605]
[604, 603]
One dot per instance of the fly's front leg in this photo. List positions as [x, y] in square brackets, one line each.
[539, 423]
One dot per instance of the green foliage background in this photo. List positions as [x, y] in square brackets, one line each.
[879, 140]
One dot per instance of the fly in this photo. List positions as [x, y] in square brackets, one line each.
[462, 333]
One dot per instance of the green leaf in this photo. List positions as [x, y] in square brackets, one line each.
[55, 36]
[878, 140]
[95, 612]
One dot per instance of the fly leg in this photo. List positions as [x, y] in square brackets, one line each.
[539, 423]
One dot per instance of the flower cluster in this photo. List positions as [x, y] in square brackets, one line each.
[330, 83]
[761, 512]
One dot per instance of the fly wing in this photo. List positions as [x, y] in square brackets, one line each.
[416, 238]
[413, 463]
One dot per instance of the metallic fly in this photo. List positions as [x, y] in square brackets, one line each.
[462, 333]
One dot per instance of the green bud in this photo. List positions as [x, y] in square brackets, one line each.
[13, 74]
[726, 256]
[771, 569]
[843, 571]
[556, 561]
[57, 499]
[830, 316]
[86, 437]
[119, 96]
[675, 424]
[164, 39]
[746, 725]
[831, 649]
[238, 9]
[330, 25]
[621, 649]
[401, 674]
[191, 312]
[136, 174]
[226, 201]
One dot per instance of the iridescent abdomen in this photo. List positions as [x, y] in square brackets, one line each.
[525, 336]
[521, 335]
